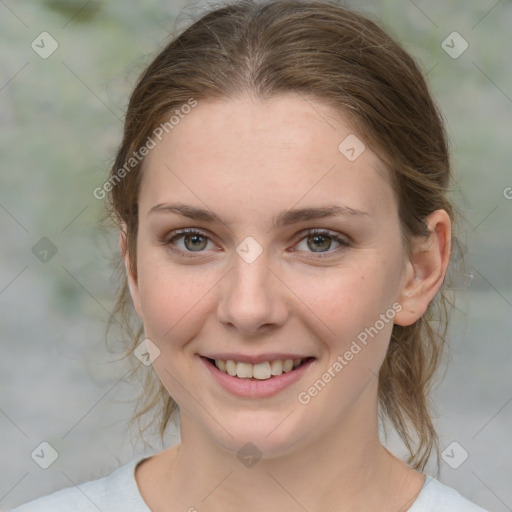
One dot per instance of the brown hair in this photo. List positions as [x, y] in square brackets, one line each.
[329, 53]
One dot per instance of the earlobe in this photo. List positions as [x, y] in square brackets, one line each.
[133, 284]
[426, 268]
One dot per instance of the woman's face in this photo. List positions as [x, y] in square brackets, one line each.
[260, 285]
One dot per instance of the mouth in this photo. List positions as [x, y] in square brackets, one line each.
[256, 381]
[264, 370]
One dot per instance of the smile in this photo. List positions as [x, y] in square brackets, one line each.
[261, 379]
[261, 371]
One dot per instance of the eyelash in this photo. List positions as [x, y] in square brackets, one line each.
[191, 231]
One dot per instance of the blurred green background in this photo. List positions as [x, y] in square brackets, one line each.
[61, 120]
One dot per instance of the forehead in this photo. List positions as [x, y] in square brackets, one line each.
[251, 153]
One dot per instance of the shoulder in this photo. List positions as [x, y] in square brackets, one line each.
[115, 492]
[438, 497]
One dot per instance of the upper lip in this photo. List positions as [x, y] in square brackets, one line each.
[254, 359]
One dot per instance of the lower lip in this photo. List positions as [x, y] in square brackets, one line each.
[254, 388]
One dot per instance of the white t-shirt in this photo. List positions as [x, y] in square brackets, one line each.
[118, 492]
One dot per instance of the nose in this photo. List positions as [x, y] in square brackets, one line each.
[253, 300]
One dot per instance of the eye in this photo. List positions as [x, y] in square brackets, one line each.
[317, 241]
[193, 241]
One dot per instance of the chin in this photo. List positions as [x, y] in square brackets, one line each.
[260, 432]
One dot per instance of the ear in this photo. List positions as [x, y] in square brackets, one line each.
[425, 269]
[132, 280]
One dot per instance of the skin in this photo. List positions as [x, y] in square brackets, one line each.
[247, 161]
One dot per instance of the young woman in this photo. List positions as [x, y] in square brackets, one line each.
[280, 193]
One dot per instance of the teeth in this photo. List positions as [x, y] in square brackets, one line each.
[260, 371]
[288, 365]
[244, 370]
[230, 367]
[276, 367]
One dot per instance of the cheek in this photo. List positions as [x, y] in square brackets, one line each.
[173, 299]
[349, 298]
[355, 306]
[358, 309]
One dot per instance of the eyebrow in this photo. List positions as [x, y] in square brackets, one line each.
[285, 218]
